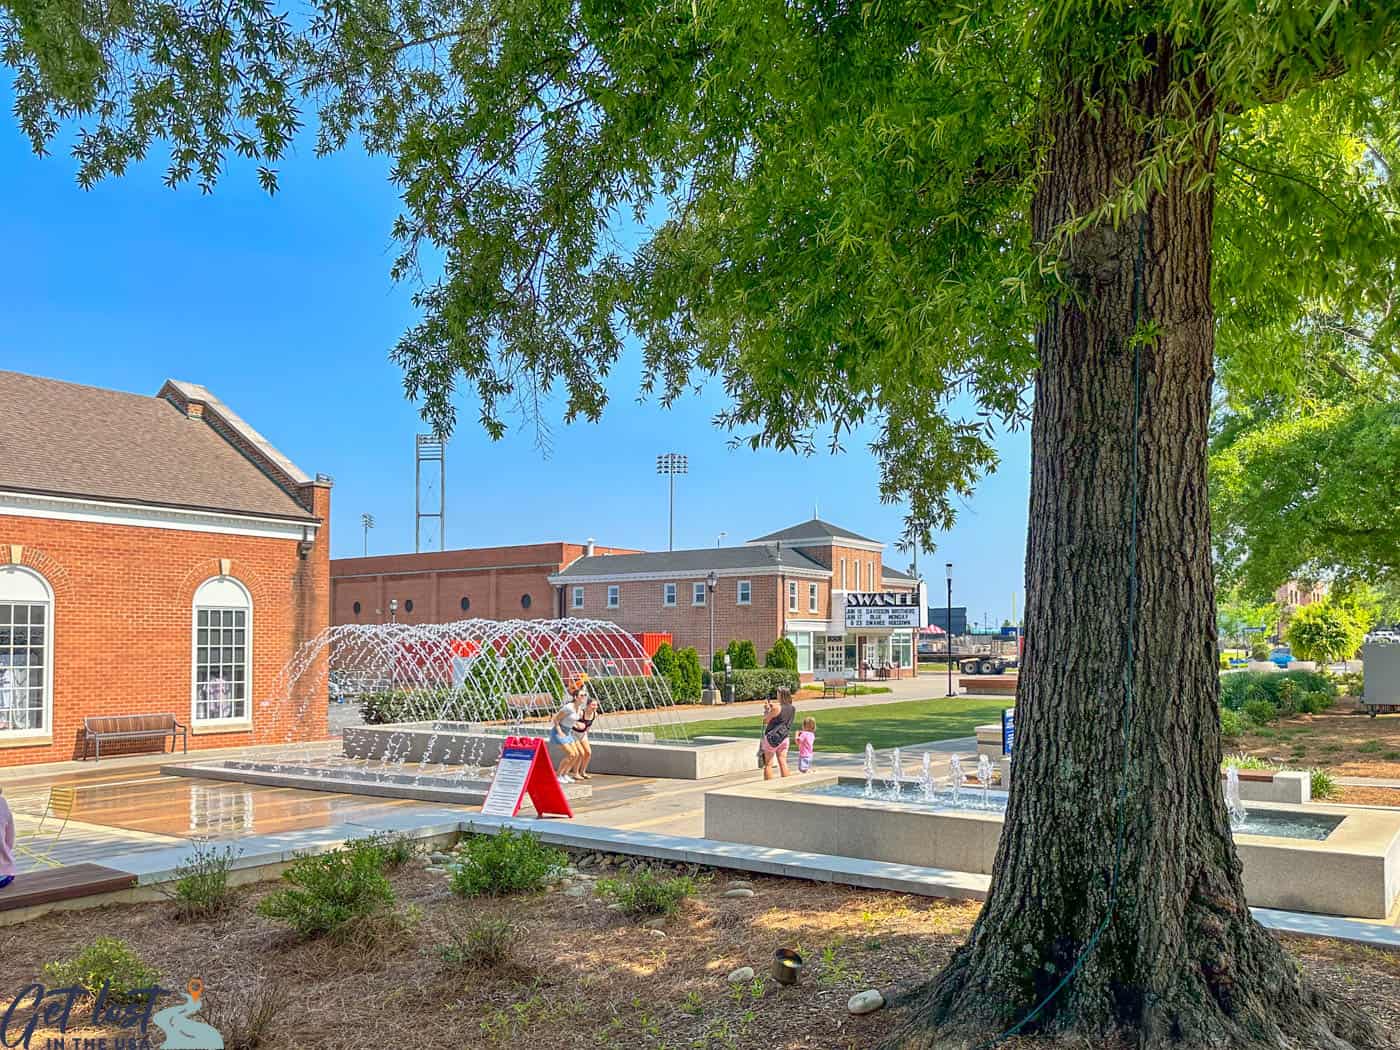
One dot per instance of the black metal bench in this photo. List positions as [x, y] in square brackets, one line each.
[132, 727]
[835, 687]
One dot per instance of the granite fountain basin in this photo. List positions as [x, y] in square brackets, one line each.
[1348, 863]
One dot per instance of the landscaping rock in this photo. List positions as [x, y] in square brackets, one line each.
[739, 884]
[576, 891]
[658, 934]
[742, 891]
[656, 923]
[438, 857]
[614, 906]
[743, 975]
[866, 1002]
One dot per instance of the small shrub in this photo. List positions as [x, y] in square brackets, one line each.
[1231, 724]
[201, 884]
[1242, 686]
[647, 894]
[762, 683]
[107, 960]
[1287, 701]
[744, 656]
[330, 892]
[508, 862]
[1314, 702]
[246, 1017]
[1351, 683]
[394, 850]
[1224, 662]
[481, 943]
[686, 685]
[1243, 761]
[1259, 652]
[1323, 785]
[1260, 712]
[782, 656]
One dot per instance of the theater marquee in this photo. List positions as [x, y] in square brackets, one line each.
[895, 609]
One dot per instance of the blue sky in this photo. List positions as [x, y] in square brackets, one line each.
[283, 307]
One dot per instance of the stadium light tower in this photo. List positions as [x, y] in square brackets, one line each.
[671, 464]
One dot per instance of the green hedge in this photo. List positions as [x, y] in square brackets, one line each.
[613, 693]
[761, 683]
[1242, 687]
[783, 656]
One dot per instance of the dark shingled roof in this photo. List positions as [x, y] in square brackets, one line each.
[83, 441]
[690, 563]
[895, 574]
[816, 529]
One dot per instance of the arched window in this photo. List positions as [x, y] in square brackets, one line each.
[357, 608]
[223, 642]
[466, 603]
[26, 653]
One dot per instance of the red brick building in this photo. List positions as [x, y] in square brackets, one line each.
[157, 555]
[793, 583]
[492, 583]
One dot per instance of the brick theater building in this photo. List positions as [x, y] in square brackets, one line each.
[793, 583]
[157, 556]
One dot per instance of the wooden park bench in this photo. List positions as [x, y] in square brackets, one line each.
[522, 706]
[835, 687]
[37, 888]
[133, 727]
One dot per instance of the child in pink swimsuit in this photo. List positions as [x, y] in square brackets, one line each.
[806, 741]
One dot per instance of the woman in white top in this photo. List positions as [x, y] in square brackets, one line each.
[7, 843]
[561, 732]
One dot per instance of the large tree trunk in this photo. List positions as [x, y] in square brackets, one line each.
[1182, 962]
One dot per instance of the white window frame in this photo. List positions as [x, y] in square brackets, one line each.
[697, 593]
[230, 587]
[614, 596]
[668, 595]
[843, 574]
[857, 575]
[812, 600]
[23, 586]
[577, 598]
[792, 596]
[743, 592]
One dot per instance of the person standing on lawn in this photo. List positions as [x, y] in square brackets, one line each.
[806, 742]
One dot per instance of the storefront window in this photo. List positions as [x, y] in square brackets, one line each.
[818, 652]
[903, 644]
[803, 641]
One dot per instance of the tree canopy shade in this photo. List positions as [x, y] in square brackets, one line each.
[879, 212]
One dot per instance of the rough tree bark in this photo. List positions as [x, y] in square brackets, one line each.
[1182, 963]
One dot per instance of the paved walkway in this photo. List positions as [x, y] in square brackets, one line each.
[1369, 782]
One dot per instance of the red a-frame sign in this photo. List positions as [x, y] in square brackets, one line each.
[525, 769]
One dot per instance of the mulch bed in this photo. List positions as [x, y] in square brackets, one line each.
[584, 976]
[1345, 741]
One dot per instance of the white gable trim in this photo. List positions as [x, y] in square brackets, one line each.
[145, 516]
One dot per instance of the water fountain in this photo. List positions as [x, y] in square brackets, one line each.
[984, 777]
[1234, 805]
[893, 787]
[439, 700]
[869, 771]
[955, 778]
[926, 777]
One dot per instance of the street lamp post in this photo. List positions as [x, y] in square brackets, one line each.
[949, 625]
[711, 581]
[393, 610]
[671, 464]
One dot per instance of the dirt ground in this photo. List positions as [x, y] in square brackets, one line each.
[1344, 741]
[583, 978]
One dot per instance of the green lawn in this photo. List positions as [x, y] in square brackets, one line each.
[884, 725]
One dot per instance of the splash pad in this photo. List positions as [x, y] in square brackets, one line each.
[439, 699]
